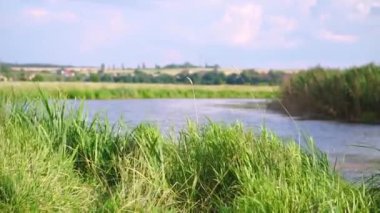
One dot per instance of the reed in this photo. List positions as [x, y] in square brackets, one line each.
[53, 158]
[351, 95]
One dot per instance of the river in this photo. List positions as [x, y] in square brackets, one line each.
[338, 140]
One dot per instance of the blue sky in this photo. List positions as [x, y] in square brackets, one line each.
[234, 33]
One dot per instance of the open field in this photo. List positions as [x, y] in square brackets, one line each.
[55, 160]
[120, 91]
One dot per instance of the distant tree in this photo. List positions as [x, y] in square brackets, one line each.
[233, 79]
[102, 68]
[38, 77]
[165, 79]
[250, 77]
[213, 77]
[181, 77]
[22, 76]
[195, 77]
[94, 77]
[185, 65]
[106, 78]
[79, 77]
[124, 78]
[5, 70]
[276, 77]
[142, 77]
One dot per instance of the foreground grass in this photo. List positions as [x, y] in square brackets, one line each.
[55, 159]
[351, 95]
[120, 91]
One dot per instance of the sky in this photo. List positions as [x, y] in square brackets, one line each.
[233, 33]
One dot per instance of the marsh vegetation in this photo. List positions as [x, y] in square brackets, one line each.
[350, 95]
[54, 158]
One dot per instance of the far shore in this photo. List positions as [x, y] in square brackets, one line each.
[90, 90]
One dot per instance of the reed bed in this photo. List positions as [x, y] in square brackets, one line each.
[82, 90]
[350, 95]
[53, 158]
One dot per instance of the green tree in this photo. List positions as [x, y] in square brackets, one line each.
[94, 77]
[5, 71]
[38, 77]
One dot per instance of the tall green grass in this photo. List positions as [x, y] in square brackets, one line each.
[352, 94]
[54, 158]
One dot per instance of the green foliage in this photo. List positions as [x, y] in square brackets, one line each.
[55, 159]
[352, 94]
[214, 77]
[38, 77]
[185, 65]
[94, 77]
[106, 78]
[5, 70]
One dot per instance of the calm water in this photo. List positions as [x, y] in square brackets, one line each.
[337, 139]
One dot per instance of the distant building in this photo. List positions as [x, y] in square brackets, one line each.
[66, 72]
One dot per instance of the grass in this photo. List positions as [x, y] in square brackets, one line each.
[54, 158]
[125, 91]
[350, 95]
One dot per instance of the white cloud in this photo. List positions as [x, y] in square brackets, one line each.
[336, 37]
[358, 8]
[240, 24]
[246, 25]
[36, 12]
[41, 15]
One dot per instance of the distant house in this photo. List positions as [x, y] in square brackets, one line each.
[66, 72]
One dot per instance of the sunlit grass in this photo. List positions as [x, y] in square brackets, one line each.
[119, 91]
[55, 159]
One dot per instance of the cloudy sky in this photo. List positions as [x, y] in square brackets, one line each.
[234, 33]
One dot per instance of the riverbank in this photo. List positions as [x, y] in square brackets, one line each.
[53, 159]
[72, 90]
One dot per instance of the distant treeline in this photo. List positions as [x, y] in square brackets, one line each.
[208, 78]
[214, 77]
[352, 94]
